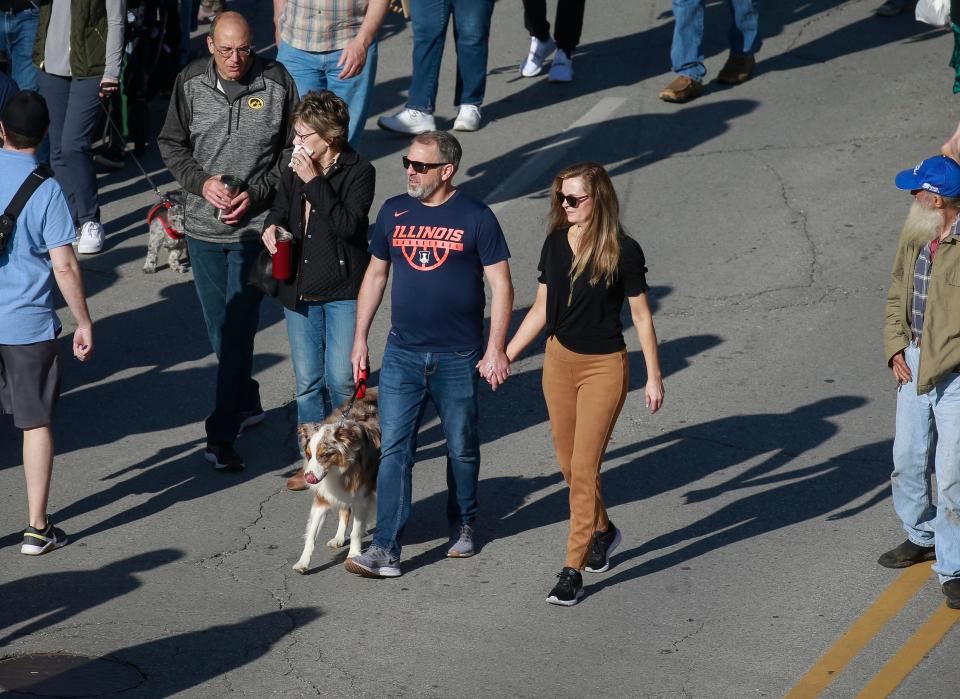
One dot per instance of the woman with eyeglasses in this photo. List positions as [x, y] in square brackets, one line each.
[588, 266]
[323, 200]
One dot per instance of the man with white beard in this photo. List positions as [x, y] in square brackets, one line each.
[922, 344]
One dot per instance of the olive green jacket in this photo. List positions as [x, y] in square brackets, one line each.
[88, 38]
[940, 349]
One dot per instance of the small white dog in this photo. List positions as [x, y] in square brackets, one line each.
[342, 455]
[166, 233]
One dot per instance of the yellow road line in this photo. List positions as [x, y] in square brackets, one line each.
[861, 632]
[913, 651]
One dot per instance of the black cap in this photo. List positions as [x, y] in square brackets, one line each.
[26, 114]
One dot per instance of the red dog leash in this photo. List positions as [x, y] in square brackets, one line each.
[359, 391]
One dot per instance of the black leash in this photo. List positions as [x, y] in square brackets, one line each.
[123, 139]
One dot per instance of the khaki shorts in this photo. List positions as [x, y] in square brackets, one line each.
[30, 383]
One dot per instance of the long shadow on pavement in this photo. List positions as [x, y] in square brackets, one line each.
[805, 494]
[49, 599]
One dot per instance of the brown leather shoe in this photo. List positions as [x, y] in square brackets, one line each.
[737, 69]
[297, 481]
[682, 89]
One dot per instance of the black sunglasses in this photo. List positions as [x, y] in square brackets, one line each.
[419, 167]
[572, 201]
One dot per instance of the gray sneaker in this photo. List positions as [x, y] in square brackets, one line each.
[463, 548]
[375, 562]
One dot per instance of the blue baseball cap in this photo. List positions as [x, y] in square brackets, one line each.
[939, 175]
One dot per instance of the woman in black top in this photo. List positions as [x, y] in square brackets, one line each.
[323, 199]
[587, 267]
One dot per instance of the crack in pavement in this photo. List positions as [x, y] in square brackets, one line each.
[676, 644]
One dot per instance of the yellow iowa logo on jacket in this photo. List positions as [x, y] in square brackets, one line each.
[255, 103]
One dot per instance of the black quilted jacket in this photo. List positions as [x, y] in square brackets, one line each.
[331, 256]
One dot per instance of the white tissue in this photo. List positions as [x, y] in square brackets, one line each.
[300, 148]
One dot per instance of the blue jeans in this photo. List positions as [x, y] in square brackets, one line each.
[17, 32]
[685, 53]
[321, 339]
[921, 420]
[319, 71]
[231, 311]
[407, 379]
[471, 30]
[70, 139]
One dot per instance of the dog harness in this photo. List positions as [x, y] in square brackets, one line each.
[161, 211]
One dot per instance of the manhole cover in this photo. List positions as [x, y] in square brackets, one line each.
[62, 675]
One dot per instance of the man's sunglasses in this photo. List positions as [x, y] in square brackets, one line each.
[419, 167]
[572, 201]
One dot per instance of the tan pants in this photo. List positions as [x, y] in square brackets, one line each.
[584, 394]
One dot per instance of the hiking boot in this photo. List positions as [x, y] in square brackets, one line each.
[375, 562]
[906, 555]
[463, 547]
[468, 118]
[561, 70]
[736, 70]
[36, 542]
[540, 51]
[568, 590]
[250, 418]
[90, 240]
[951, 589]
[223, 457]
[409, 121]
[297, 481]
[682, 89]
[603, 545]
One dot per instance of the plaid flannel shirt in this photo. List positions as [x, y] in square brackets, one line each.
[921, 283]
[321, 25]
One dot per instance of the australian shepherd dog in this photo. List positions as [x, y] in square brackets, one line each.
[342, 455]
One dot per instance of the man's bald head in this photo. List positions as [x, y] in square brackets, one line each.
[229, 43]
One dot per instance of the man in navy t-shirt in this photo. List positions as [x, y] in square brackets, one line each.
[440, 244]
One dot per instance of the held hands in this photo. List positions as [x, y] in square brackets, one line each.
[494, 367]
[83, 342]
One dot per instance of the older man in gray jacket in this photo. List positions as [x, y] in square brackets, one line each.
[226, 127]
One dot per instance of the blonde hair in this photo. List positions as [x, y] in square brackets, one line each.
[599, 248]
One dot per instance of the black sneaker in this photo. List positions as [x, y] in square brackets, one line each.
[109, 160]
[907, 554]
[603, 545]
[223, 457]
[951, 589]
[250, 418]
[569, 588]
[36, 542]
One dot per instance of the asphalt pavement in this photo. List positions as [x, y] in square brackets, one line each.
[753, 506]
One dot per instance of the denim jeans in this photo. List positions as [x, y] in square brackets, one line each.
[231, 311]
[321, 339]
[319, 71]
[17, 32]
[407, 379]
[471, 30]
[685, 53]
[70, 139]
[921, 421]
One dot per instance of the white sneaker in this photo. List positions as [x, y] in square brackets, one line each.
[409, 121]
[561, 70]
[468, 119]
[91, 238]
[540, 51]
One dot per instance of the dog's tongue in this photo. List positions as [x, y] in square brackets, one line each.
[311, 479]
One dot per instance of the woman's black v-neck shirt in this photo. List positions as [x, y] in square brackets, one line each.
[590, 324]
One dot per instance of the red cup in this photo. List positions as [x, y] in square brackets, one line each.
[283, 257]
